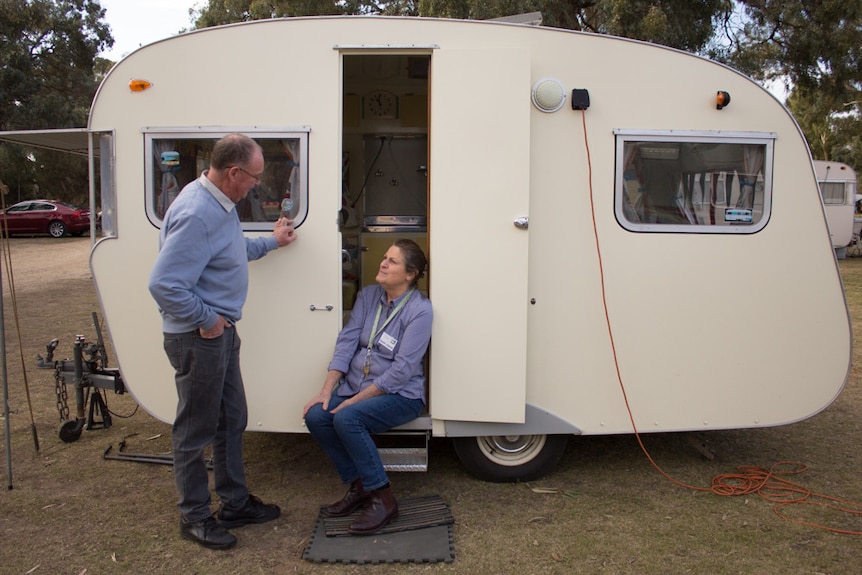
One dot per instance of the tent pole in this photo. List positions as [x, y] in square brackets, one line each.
[3, 374]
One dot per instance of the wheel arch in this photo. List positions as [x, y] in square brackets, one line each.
[537, 421]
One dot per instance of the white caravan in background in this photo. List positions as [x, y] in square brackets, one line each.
[604, 218]
[837, 183]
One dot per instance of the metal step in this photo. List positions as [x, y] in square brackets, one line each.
[405, 448]
[404, 458]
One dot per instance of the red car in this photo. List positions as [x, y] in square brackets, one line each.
[46, 216]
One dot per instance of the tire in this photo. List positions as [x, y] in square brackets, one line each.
[508, 458]
[57, 229]
[71, 430]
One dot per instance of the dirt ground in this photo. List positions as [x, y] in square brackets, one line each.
[66, 510]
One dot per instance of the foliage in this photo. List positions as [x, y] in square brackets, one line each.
[48, 58]
[831, 125]
[815, 48]
[218, 12]
[683, 24]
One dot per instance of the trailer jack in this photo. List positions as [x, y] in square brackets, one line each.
[89, 375]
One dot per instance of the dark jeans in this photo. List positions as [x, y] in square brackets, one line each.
[346, 436]
[211, 410]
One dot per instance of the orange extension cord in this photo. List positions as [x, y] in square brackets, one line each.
[770, 484]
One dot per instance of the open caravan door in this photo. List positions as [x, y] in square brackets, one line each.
[479, 158]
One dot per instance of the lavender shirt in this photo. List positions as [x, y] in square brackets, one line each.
[398, 350]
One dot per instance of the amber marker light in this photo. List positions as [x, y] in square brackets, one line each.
[722, 99]
[137, 85]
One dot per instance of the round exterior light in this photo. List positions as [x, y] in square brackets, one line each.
[548, 95]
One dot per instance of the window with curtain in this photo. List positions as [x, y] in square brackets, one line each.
[833, 193]
[173, 159]
[693, 182]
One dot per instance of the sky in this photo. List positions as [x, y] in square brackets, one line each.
[136, 23]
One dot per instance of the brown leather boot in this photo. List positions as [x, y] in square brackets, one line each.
[381, 510]
[354, 497]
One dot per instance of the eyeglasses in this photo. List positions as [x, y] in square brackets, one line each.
[249, 174]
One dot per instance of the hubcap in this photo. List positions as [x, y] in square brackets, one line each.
[511, 450]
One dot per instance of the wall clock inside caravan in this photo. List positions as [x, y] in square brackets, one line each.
[381, 104]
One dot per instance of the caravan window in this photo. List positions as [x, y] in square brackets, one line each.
[693, 182]
[833, 193]
[175, 158]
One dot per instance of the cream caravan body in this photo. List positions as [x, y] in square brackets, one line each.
[652, 243]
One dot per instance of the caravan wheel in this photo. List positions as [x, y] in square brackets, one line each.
[501, 458]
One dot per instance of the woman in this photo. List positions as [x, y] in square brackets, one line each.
[375, 382]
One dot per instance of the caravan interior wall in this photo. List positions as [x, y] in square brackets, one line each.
[576, 230]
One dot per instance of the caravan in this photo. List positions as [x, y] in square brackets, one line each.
[837, 183]
[622, 237]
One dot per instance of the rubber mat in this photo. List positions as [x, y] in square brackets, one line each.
[422, 533]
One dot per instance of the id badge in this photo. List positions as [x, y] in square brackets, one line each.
[387, 341]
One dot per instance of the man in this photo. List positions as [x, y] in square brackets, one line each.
[200, 282]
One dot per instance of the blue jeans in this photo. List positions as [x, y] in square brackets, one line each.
[346, 436]
[211, 410]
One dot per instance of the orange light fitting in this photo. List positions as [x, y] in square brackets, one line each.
[137, 85]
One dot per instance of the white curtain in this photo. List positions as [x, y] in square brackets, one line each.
[169, 188]
[752, 159]
[643, 209]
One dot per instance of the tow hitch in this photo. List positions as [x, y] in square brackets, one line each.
[89, 374]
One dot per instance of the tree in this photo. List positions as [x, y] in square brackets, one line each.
[218, 12]
[48, 79]
[815, 48]
[684, 24]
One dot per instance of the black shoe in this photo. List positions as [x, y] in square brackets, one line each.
[207, 532]
[254, 511]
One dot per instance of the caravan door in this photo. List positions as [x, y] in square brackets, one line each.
[479, 177]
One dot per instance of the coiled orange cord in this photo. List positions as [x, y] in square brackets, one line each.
[769, 484]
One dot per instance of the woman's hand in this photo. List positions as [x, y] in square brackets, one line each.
[370, 391]
[322, 397]
[325, 394]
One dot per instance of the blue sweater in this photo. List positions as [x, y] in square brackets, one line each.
[201, 271]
